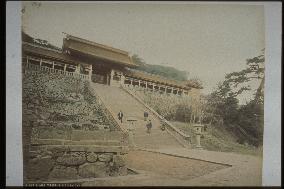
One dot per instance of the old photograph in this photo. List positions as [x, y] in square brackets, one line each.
[142, 94]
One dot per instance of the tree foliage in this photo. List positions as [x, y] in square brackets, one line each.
[239, 80]
[222, 105]
[196, 82]
[165, 71]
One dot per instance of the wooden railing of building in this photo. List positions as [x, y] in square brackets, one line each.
[37, 65]
[155, 87]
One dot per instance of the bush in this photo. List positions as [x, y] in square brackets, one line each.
[183, 113]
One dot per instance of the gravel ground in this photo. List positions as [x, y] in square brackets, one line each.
[176, 167]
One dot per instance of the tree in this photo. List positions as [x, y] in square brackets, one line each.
[245, 121]
[196, 82]
[137, 60]
[253, 71]
[164, 71]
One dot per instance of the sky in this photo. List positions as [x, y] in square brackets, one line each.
[207, 41]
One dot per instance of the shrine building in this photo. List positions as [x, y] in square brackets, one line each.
[101, 64]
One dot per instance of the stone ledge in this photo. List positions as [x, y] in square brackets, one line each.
[84, 148]
[79, 142]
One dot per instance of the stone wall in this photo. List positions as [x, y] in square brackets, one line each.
[54, 105]
[59, 163]
[62, 102]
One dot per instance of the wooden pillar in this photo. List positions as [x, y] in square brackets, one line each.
[27, 64]
[77, 68]
[153, 86]
[131, 81]
[27, 59]
[122, 79]
[52, 64]
[146, 85]
[65, 67]
[111, 77]
[90, 72]
[108, 82]
[40, 62]
[139, 83]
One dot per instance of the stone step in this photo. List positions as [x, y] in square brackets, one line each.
[117, 99]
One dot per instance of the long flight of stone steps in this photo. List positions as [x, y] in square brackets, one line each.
[117, 99]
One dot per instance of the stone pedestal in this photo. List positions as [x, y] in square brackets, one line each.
[198, 132]
[131, 140]
[131, 133]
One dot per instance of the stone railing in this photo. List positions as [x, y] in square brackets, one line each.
[46, 135]
[181, 137]
[32, 67]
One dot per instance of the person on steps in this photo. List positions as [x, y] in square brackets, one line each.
[145, 115]
[120, 116]
[149, 126]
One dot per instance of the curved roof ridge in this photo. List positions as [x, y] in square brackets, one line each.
[40, 46]
[97, 44]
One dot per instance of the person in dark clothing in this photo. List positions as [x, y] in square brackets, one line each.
[145, 115]
[149, 126]
[163, 124]
[120, 115]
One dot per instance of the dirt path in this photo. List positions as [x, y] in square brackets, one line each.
[176, 167]
[246, 170]
[158, 169]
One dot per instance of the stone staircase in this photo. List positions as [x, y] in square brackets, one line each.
[117, 99]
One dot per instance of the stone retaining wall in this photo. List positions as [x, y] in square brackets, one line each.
[56, 110]
[59, 163]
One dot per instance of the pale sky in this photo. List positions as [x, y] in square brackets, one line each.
[207, 41]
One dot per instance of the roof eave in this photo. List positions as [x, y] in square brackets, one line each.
[107, 59]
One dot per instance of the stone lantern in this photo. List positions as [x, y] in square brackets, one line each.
[130, 131]
[198, 132]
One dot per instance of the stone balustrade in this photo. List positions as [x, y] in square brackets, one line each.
[181, 137]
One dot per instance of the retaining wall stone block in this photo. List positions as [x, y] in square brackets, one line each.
[39, 168]
[63, 172]
[105, 157]
[72, 159]
[92, 157]
[97, 169]
[118, 160]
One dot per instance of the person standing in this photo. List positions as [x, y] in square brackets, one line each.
[145, 115]
[149, 126]
[120, 116]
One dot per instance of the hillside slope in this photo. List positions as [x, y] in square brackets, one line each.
[217, 138]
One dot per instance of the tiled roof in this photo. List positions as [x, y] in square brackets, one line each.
[49, 53]
[97, 50]
[39, 42]
[157, 79]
